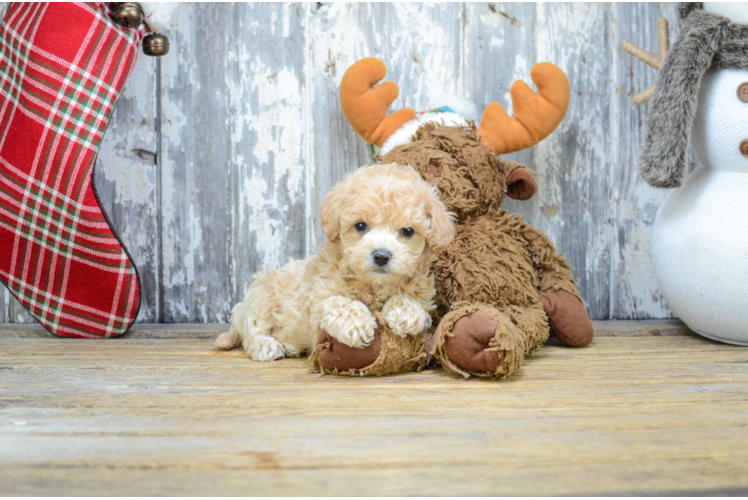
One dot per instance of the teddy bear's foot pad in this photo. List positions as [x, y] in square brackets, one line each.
[567, 318]
[340, 357]
[467, 345]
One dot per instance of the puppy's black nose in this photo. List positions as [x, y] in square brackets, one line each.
[381, 257]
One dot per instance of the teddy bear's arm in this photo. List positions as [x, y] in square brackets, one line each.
[561, 300]
[554, 273]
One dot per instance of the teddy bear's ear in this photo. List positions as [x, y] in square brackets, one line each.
[442, 222]
[331, 209]
[520, 181]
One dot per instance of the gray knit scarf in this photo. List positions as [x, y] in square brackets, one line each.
[704, 40]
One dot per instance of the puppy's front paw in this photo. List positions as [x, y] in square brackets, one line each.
[348, 321]
[265, 348]
[405, 316]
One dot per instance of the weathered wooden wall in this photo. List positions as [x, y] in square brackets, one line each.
[219, 153]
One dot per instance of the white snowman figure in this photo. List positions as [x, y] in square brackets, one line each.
[700, 234]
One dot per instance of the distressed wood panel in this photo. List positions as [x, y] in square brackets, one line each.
[270, 141]
[634, 291]
[499, 49]
[233, 130]
[14, 311]
[195, 198]
[4, 305]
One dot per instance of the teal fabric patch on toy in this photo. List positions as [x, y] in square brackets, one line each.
[443, 109]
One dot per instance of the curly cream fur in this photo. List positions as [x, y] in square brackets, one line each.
[405, 316]
[338, 289]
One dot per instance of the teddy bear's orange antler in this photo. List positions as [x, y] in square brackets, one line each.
[365, 106]
[535, 115]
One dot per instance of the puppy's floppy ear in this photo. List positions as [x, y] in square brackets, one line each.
[442, 230]
[331, 209]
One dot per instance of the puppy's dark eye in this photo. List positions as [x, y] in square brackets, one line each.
[361, 227]
[407, 232]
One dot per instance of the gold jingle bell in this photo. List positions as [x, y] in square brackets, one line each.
[155, 44]
[128, 14]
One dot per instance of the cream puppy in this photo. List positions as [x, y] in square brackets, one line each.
[381, 223]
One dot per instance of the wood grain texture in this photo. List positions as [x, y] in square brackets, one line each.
[648, 408]
[244, 112]
[270, 140]
[634, 289]
[234, 132]
[196, 176]
[4, 305]
[499, 49]
[603, 328]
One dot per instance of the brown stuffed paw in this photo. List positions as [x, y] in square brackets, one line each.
[567, 318]
[481, 341]
[385, 355]
[467, 345]
[340, 357]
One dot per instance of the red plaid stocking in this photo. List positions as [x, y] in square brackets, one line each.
[62, 67]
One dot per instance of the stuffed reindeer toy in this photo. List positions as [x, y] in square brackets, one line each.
[501, 287]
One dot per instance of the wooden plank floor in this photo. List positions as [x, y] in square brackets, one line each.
[648, 408]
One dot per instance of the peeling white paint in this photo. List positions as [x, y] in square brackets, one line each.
[127, 153]
[134, 180]
[496, 42]
[274, 123]
[194, 246]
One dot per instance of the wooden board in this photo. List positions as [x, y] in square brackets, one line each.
[234, 186]
[219, 154]
[634, 292]
[648, 408]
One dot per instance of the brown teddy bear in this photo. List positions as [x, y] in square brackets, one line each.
[501, 285]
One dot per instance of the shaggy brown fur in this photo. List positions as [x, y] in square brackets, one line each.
[494, 278]
[512, 332]
[471, 182]
[497, 259]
